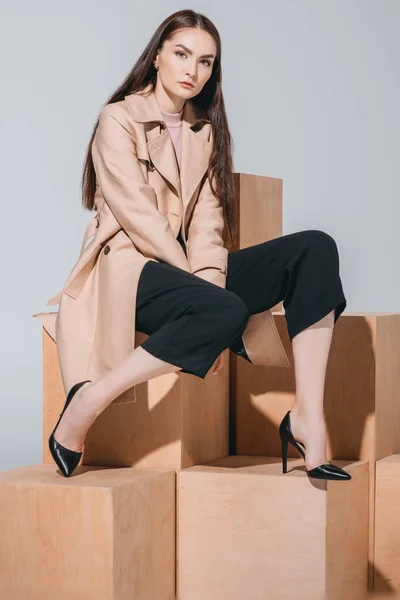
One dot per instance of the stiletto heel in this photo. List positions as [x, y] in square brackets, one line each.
[67, 460]
[325, 471]
[284, 455]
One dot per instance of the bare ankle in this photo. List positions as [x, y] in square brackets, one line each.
[95, 397]
[307, 414]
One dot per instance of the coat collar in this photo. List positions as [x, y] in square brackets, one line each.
[196, 143]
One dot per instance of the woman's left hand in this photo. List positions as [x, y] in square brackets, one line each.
[219, 363]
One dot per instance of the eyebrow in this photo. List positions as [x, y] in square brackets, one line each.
[190, 51]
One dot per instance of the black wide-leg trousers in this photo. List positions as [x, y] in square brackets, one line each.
[190, 321]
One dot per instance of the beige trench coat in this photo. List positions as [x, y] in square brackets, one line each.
[142, 201]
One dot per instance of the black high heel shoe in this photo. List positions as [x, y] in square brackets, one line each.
[67, 460]
[325, 471]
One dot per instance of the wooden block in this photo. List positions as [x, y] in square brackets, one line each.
[361, 401]
[387, 527]
[362, 410]
[246, 531]
[104, 534]
[53, 388]
[178, 420]
[259, 203]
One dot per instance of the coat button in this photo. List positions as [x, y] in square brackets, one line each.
[107, 249]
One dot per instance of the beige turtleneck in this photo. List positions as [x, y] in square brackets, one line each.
[174, 124]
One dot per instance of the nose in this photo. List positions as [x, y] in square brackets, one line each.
[191, 70]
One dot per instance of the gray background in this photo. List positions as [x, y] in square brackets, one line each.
[312, 92]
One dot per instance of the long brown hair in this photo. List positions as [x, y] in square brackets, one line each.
[210, 99]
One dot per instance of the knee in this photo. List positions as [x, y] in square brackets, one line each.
[233, 316]
[320, 240]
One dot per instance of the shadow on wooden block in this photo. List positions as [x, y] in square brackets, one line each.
[362, 413]
[178, 420]
[361, 408]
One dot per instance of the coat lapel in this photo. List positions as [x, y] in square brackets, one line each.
[195, 145]
[162, 155]
[195, 154]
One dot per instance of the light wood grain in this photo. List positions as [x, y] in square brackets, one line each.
[245, 530]
[104, 534]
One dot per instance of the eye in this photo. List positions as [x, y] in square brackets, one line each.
[183, 54]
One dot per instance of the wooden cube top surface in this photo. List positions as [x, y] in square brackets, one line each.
[105, 477]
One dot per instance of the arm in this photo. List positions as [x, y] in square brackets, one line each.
[206, 253]
[131, 200]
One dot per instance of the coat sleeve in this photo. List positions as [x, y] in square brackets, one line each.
[131, 200]
[208, 258]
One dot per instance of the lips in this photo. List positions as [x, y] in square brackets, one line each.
[187, 83]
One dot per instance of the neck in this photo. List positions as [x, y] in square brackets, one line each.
[169, 103]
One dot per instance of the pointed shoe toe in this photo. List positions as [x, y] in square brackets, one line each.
[67, 460]
[328, 471]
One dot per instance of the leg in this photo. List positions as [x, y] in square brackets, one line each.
[189, 321]
[310, 350]
[92, 398]
[302, 269]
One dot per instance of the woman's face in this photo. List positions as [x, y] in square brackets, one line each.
[188, 56]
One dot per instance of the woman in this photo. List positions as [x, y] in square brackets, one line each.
[158, 172]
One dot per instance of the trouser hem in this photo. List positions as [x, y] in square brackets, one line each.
[317, 316]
